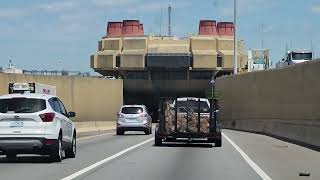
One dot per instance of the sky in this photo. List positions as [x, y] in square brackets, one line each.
[62, 34]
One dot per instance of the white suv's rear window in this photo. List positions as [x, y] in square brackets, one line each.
[193, 105]
[22, 105]
[132, 110]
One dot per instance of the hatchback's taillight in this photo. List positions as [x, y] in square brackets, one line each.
[47, 117]
[49, 141]
[120, 115]
[144, 115]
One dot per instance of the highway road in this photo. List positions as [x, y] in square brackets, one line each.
[133, 157]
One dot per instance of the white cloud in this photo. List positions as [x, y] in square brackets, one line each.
[58, 6]
[315, 8]
[11, 13]
[72, 28]
[113, 3]
[268, 29]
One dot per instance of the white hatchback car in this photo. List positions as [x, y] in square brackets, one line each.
[36, 124]
[134, 118]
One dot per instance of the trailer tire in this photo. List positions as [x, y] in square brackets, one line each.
[11, 155]
[218, 143]
[157, 139]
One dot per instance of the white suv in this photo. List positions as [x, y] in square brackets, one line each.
[36, 124]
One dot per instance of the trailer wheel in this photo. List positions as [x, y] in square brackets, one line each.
[218, 143]
[157, 139]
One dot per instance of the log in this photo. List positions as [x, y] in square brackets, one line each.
[182, 122]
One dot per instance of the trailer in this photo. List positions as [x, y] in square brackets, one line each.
[188, 119]
[31, 88]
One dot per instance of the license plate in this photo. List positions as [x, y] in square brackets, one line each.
[131, 120]
[15, 124]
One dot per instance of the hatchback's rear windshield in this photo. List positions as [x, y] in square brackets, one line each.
[132, 110]
[22, 105]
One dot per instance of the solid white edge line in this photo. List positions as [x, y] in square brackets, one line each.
[90, 137]
[97, 164]
[254, 166]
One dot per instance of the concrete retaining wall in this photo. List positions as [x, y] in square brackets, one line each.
[283, 102]
[92, 99]
[91, 126]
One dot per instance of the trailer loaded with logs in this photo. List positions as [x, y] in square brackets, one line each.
[188, 118]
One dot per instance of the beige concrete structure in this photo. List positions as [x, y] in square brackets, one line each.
[166, 45]
[108, 50]
[133, 59]
[100, 45]
[132, 51]
[111, 44]
[92, 99]
[204, 50]
[104, 59]
[203, 43]
[227, 56]
[135, 43]
[243, 62]
[283, 102]
[204, 59]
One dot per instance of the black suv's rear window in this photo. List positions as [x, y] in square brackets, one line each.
[22, 105]
[132, 110]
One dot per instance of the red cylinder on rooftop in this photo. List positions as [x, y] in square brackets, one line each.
[208, 27]
[114, 29]
[131, 28]
[225, 28]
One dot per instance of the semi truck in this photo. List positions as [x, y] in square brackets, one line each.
[31, 88]
[188, 119]
[295, 57]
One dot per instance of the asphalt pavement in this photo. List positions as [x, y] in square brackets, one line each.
[133, 157]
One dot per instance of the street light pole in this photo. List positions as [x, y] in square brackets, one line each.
[235, 46]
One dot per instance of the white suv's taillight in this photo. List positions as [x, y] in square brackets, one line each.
[47, 117]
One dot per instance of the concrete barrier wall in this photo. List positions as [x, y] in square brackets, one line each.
[283, 102]
[92, 99]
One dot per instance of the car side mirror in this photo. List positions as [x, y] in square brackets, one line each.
[71, 114]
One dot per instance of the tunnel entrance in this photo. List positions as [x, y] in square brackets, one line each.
[149, 92]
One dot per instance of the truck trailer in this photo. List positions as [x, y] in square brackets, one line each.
[188, 119]
[295, 57]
